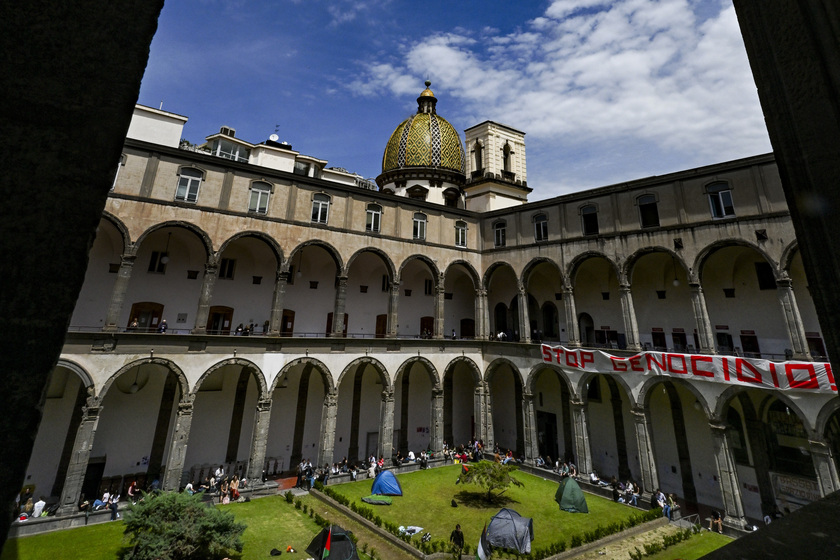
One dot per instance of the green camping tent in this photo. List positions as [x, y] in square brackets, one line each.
[570, 496]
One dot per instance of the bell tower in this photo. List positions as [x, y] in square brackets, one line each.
[495, 165]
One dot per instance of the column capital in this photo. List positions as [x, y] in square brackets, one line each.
[281, 276]
[211, 268]
[718, 427]
[185, 408]
[481, 292]
[264, 405]
[784, 283]
[128, 259]
[624, 287]
[695, 286]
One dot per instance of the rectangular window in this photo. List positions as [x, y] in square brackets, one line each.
[589, 217]
[540, 228]
[648, 211]
[428, 286]
[764, 274]
[320, 208]
[157, 263]
[386, 283]
[188, 184]
[419, 229]
[374, 218]
[720, 201]
[499, 235]
[460, 234]
[259, 199]
[226, 269]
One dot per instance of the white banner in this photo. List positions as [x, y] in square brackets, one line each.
[804, 376]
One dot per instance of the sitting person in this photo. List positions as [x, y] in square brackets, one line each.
[398, 459]
[411, 456]
[508, 458]
[716, 521]
[595, 479]
[540, 462]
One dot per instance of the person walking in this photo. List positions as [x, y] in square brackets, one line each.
[457, 540]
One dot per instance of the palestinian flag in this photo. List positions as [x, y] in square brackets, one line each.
[482, 551]
[327, 545]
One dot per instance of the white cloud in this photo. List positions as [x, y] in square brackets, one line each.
[601, 74]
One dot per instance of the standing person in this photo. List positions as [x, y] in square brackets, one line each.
[162, 327]
[132, 489]
[456, 537]
[220, 474]
[113, 507]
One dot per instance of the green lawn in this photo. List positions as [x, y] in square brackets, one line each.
[427, 496]
[696, 547]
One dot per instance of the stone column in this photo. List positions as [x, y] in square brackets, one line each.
[338, 308]
[118, 293]
[572, 329]
[628, 312]
[393, 305]
[326, 446]
[386, 424]
[647, 460]
[532, 449]
[484, 414]
[701, 318]
[259, 441]
[524, 319]
[211, 271]
[276, 319]
[730, 489]
[582, 449]
[482, 319]
[439, 311]
[825, 467]
[77, 468]
[793, 320]
[178, 447]
[437, 420]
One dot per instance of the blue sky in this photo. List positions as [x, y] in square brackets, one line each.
[606, 91]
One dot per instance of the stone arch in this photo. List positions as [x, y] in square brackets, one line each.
[470, 271]
[824, 415]
[583, 384]
[84, 376]
[498, 362]
[533, 263]
[267, 239]
[259, 376]
[336, 256]
[430, 368]
[788, 254]
[377, 366]
[650, 384]
[190, 227]
[531, 379]
[423, 258]
[326, 375]
[389, 264]
[121, 228]
[726, 397]
[471, 366]
[184, 384]
[709, 250]
[631, 261]
[576, 263]
[485, 281]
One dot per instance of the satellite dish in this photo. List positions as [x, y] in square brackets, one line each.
[274, 138]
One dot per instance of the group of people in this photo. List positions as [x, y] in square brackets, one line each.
[227, 488]
[26, 509]
[625, 493]
[668, 503]
[471, 451]
[249, 329]
[563, 468]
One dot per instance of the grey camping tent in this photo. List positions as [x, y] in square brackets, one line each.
[341, 547]
[570, 496]
[510, 530]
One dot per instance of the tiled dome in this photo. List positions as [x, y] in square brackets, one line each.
[424, 140]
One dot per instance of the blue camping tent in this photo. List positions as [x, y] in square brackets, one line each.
[386, 484]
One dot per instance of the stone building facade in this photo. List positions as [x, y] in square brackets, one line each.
[309, 316]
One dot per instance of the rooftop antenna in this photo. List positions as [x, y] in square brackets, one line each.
[161, 106]
[276, 128]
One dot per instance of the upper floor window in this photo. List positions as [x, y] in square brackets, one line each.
[117, 172]
[302, 168]
[189, 181]
[720, 200]
[479, 156]
[158, 261]
[259, 197]
[320, 208]
[419, 226]
[589, 219]
[374, 218]
[648, 211]
[416, 192]
[226, 268]
[540, 227]
[499, 234]
[506, 151]
[460, 234]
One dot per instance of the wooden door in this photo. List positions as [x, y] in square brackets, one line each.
[381, 326]
[427, 327]
[330, 324]
[219, 320]
[287, 325]
[467, 328]
[148, 315]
